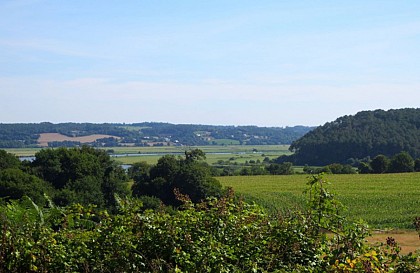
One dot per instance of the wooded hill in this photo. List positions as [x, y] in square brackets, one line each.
[141, 134]
[366, 134]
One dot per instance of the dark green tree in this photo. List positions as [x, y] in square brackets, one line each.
[401, 163]
[417, 165]
[364, 167]
[380, 164]
[139, 171]
[84, 175]
[14, 184]
[282, 168]
[189, 175]
[8, 160]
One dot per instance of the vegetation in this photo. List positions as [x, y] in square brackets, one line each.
[366, 134]
[148, 134]
[188, 175]
[219, 235]
[382, 200]
[77, 175]
[399, 163]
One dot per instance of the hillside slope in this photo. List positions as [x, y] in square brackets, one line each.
[367, 133]
[144, 134]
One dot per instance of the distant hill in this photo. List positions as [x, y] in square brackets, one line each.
[142, 134]
[367, 133]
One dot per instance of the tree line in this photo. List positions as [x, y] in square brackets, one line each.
[399, 163]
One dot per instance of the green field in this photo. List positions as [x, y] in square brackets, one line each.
[233, 153]
[214, 153]
[383, 200]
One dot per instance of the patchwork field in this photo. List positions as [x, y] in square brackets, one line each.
[51, 137]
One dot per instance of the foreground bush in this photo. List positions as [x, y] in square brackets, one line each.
[219, 235]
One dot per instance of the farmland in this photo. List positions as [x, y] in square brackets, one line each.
[45, 138]
[214, 153]
[385, 201]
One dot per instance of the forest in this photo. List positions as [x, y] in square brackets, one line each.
[360, 137]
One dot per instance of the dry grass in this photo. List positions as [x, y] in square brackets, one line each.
[51, 137]
[409, 241]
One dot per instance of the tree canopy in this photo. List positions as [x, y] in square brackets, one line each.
[77, 175]
[366, 134]
[189, 175]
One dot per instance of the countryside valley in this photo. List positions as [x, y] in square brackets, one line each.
[203, 198]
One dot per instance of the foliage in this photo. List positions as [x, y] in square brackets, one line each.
[368, 133]
[284, 168]
[14, 184]
[77, 175]
[380, 164]
[189, 175]
[219, 235]
[8, 160]
[401, 163]
[81, 175]
[335, 168]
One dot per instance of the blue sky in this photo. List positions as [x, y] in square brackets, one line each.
[266, 63]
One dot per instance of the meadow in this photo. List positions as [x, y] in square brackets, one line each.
[384, 201]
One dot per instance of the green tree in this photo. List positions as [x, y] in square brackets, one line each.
[380, 164]
[81, 175]
[364, 167]
[139, 171]
[401, 163]
[284, 168]
[14, 184]
[417, 165]
[191, 176]
[8, 160]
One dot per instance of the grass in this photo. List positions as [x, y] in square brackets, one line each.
[22, 151]
[225, 142]
[384, 201]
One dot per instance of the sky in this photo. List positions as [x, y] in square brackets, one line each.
[232, 62]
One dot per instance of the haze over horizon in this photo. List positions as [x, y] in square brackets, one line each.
[266, 63]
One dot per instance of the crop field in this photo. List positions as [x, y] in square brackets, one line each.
[385, 201]
[50, 137]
